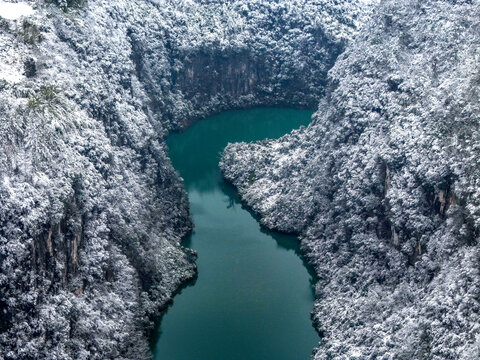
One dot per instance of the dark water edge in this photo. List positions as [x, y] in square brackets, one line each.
[252, 296]
[279, 236]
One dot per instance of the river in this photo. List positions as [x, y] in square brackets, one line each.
[253, 295]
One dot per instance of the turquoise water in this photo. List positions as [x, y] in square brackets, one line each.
[253, 295]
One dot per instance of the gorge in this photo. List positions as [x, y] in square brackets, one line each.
[382, 188]
[253, 295]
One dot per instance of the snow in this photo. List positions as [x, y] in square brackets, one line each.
[14, 11]
[11, 66]
[10, 74]
[327, 179]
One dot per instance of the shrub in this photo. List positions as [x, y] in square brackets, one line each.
[68, 4]
[31, 33]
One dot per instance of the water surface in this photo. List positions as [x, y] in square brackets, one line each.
[253, 295]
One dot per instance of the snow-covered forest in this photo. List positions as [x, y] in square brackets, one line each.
[384, 187]
[91, 210]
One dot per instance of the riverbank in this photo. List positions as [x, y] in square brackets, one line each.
[253, 295]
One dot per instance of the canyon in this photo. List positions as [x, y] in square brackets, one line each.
[381, 188]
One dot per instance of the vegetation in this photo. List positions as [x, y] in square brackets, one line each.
[92, 212]
[251, 177]
[68, 4]
[31, 33]
[383, 188]
[46, 99]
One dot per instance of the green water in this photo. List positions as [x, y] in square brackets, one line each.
[253, 295]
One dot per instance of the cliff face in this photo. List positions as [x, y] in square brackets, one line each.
[92, 212]
[383, 188]
[236, 56]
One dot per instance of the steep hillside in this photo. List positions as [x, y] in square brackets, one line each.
[91, 210]
[383, 187]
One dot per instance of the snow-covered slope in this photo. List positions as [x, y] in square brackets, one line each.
[14, 11]
[383, 187]
[91, 211]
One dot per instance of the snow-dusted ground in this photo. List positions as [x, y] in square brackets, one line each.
[13, 11]
[383, 187]
[92, 213]
[11, 62]
[13, 52]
